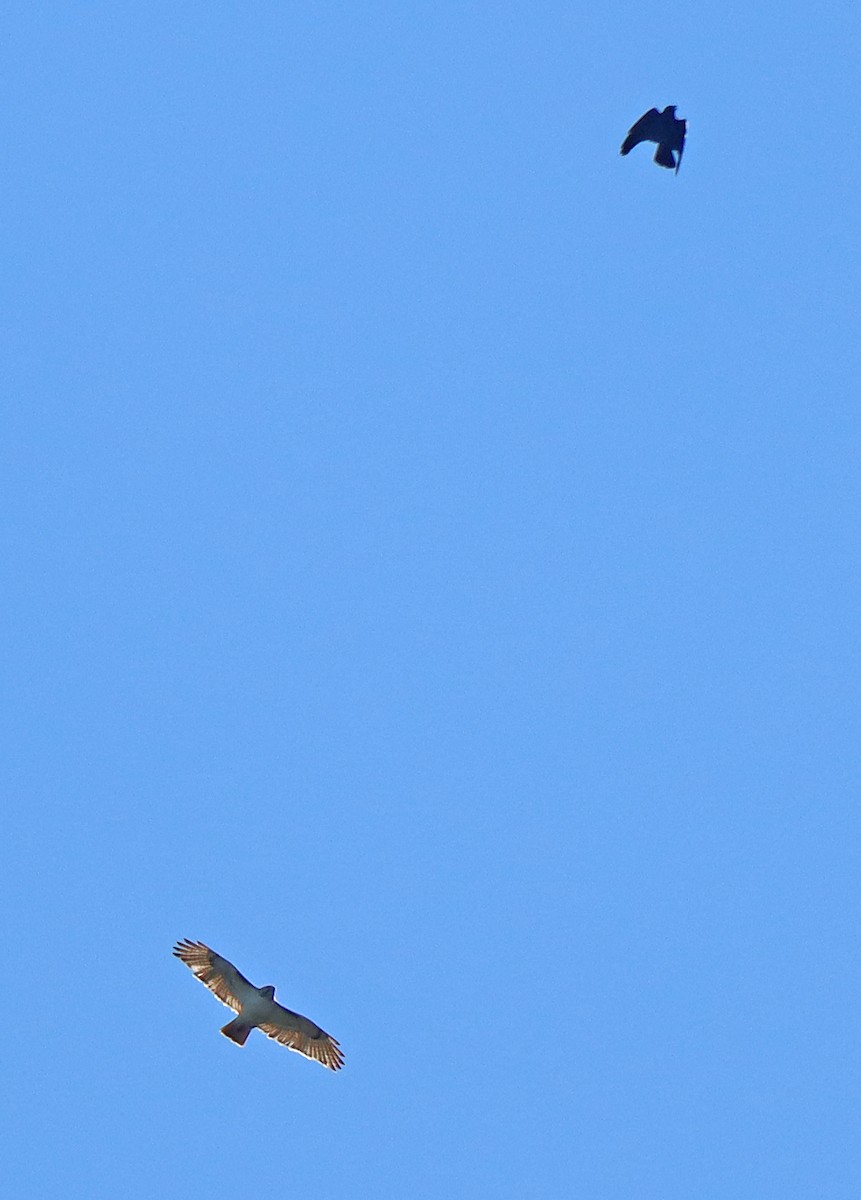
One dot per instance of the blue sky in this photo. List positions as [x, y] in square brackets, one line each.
[431, 549]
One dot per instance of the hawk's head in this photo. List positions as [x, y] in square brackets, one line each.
[268, 993]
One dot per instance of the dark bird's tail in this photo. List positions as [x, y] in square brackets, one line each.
[664, 157]
[237, 1031]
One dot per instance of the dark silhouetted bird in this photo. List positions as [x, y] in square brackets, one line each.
[666, 129]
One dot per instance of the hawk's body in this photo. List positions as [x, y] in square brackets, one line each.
[666, 129]
[257, 1007]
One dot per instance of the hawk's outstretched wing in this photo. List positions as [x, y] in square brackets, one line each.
[680, 149]
[300, 1034]
[649, 128]
[219, 975]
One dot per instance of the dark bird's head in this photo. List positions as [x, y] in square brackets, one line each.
[268, 993]
[671, 109]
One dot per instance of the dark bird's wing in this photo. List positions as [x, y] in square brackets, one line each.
[299, 1034]
[649, 128]
[219, 975]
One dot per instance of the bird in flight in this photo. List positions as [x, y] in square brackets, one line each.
[256, 1007]
[666, 129]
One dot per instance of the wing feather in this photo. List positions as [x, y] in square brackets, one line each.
[647, 129]
[219, 975]
[299, 1034]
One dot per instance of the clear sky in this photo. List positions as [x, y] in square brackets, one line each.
[431, 557]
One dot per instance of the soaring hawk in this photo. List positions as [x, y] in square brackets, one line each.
[666, 129]
[257, 1007]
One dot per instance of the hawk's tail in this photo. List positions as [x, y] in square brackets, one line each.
[237, 1031]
